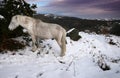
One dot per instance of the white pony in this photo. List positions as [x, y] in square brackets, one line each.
[39, 29]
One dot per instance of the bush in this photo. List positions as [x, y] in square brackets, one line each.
[115, 29]
[11, 45]
[74, 35]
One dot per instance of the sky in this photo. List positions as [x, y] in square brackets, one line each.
[79, 8]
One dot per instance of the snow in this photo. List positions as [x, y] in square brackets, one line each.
[81, 59]
[52, 15]
[25, 31]
[70, 30]
[1, 17]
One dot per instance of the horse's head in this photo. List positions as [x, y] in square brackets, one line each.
[14, 23]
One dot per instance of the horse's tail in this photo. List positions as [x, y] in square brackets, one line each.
[63, 40]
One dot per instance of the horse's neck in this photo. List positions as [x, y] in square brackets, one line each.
[28, 24]
[23, 25]
[22, 22]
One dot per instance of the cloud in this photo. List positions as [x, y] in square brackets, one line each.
[80, 8]
[113, 6]
[71, 6]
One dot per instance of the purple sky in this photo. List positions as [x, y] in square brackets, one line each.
[79, 8]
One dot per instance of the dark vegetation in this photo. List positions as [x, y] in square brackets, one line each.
[115, 29]
[9, 8]
[74, 35]
[11, 45]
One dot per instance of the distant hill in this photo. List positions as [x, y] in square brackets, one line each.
[96, 25]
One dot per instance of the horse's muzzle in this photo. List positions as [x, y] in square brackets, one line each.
[10, 28]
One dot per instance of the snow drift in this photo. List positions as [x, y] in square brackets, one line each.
[92, 56]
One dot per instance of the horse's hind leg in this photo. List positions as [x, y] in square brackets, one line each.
[34, 43]
[60, 44]
[63, 44]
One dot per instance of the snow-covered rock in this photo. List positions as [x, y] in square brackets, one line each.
[84, 58]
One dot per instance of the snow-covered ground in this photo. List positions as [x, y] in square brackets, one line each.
[92, 56]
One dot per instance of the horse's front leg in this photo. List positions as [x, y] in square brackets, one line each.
[34, 43]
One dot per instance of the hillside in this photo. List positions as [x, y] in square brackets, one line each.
[100, 26]
[92, 56]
